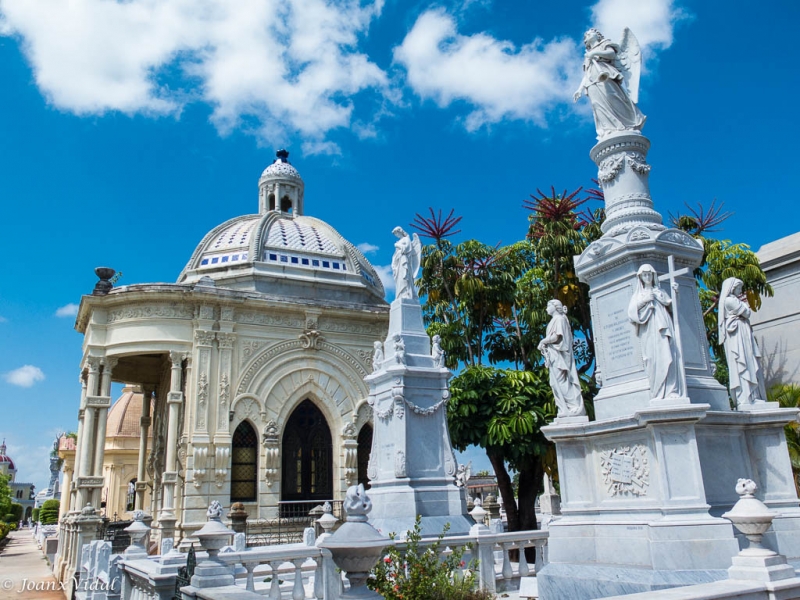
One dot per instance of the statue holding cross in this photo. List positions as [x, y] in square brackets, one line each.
[658, 332]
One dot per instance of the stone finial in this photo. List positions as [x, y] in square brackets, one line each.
[138, 531]
[356, 503]
[102, 287]
[88, 511]
[214, 511]
[750, 516]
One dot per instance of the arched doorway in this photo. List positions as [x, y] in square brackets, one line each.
[364, 449]
[244, 463]
[307, 457]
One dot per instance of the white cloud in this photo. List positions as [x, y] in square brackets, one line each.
[68, 310]
[367, 248]
[499, 80]
[385, 273]
[25, 376]
[273, 67]
[32, 463]
[3, 320]
[651, 21]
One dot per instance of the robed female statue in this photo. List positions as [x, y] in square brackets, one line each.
[556, 348]
[746, 378]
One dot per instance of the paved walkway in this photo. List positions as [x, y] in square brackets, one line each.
[22, 565]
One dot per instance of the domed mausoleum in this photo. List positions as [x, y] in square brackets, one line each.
[253, 362]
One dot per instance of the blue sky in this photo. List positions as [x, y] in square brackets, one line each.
[130, 129]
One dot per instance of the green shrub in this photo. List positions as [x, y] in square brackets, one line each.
[35, 515]
[419, 573]
[17, 510]
[4, 530]
[8, 518]
[48, 515]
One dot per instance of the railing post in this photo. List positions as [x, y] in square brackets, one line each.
[275, 586]
[508, 572]
[298, 593]
[524, 571]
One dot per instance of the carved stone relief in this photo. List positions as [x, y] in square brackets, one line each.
[625, 470]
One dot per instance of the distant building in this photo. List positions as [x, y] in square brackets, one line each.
[482, 486]
[777, 323]
[21, 493]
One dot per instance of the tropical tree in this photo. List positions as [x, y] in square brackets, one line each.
[488, 305]
[5, 495]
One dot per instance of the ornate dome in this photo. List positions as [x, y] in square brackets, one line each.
[280, 250]
[125, 414]
[4, 458]
[281, 168]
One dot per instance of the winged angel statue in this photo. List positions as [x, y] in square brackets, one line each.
[611, 80]
[405, 263]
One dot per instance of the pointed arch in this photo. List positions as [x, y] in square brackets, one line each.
[244, 463]
[307, 455]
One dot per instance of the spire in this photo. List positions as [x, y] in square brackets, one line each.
[3, 448]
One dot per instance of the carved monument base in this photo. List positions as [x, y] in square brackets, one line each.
[412, 465]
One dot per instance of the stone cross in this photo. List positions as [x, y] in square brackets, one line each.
[670, 276]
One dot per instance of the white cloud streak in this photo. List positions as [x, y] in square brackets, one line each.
[651, 21]
[499, 80]
[3, 319]
[275, 67]
[367, 248]
[25, 376]
[68, 310]
[385, 273]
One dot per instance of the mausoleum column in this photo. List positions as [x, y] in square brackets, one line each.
[144, 429]
[66, 498]
[170, 478]
[78, 441]
[102, 403]
[86, 481]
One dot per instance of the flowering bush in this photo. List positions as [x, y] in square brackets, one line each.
[425, 572]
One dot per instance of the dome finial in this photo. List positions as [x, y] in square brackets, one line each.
[283, 155]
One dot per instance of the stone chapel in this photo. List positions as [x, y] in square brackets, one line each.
[251, 367]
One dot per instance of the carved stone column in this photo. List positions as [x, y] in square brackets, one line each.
[86, 481]
[73, 492]
[170, 478]
[200, 438]
[144, 429]
[101, 403]
[222, 437]
[350, 451]
[272, 452]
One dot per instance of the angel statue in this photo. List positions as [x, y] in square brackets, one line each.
[611, 80]
[405, 263]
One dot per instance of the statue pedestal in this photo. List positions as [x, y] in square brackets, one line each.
[643, 486]
[412, 465]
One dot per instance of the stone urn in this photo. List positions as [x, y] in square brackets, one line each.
[138, 531]
[213, 536]
[102, 287]
[356, 546]
[752, 517]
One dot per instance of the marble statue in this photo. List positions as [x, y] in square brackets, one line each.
[556, 348]
[648, 310]
[405, 263]
[745, 374]
[436, 352]
[377, 356]
[399, 349]
[463, 474]
[611, 81]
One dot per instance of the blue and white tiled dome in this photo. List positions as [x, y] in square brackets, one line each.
[250, 251]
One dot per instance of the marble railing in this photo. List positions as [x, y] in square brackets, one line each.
[297, 571]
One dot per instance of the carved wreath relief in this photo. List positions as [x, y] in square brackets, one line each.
[625, 470]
